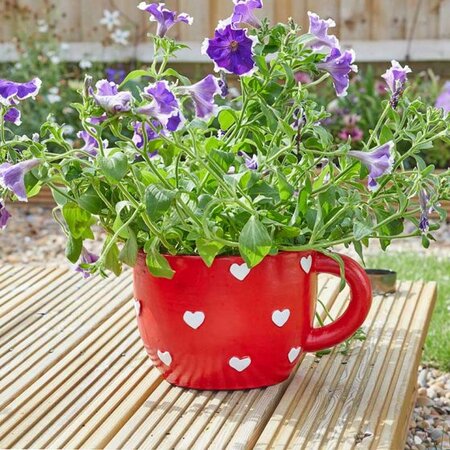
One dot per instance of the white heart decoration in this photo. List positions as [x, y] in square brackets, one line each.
[194, 319]
[239, 364]
[279, 318]
[293, 353]
[165, 357]
[239, 271]
[137, 307]
[306, 263]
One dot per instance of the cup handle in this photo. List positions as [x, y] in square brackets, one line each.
[356, 312]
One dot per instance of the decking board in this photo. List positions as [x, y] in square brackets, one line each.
[74, 374]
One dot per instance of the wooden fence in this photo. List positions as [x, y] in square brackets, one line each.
[378, 29]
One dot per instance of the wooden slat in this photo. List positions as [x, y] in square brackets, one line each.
[389, 19]
[444, 14]
[98, 388]
[354, 19]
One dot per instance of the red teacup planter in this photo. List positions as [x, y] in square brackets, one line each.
[228, 327]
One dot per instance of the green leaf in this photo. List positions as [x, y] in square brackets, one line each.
[223, 159]
[133, 75]
[114, 167]
[78, 220]
[60, 199]
[158, 201]
[361, 230]
[284, 188]
[129, 252]
[254, 242]
[111, 261]
[227, 118]
[208, 250]
[159, 266]
[90, 201]
[73, 249]
[173, 73]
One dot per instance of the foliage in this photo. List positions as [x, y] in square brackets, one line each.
[261, 174]
[360, 109]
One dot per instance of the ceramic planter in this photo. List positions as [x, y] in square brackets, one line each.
[228, 327]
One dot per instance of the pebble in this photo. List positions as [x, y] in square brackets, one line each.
[430, 424]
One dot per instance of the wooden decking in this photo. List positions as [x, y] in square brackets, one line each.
[74, 375]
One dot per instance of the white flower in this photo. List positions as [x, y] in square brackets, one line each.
[42, 26]
[68, 129]
[85, 64]
[110, 19]
[120, 36]
[53, 95]
[64, 47]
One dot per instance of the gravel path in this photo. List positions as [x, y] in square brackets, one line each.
[33, 236]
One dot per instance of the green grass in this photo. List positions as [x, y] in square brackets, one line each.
[412, 266]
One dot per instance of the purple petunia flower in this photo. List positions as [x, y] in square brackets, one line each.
[396, 78]
[203, 94]
[319, 29]
[166, 19]
[339, 65]
[90, 143]
[13, 115]
[379, 162]
[12, 177]
[4, 215]
[164, 106]
[243, 13]
[152, 134]
[115, 75]
[353, 132]
[443, 101]
[110, 99]
[86, 258]
[425, 210]
[11, 92]
[231, 50]
[250, 163]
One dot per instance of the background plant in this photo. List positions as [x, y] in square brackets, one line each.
[166, 170]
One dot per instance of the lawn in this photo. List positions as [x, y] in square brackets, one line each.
[412, 266]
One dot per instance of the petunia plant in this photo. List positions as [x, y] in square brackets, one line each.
[169, 166]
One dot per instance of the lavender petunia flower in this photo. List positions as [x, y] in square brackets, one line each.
[353, 132]
[250, 163]
[443, 101]
[110, 99]
[396, 78]
[115, 75]
[425, 210]
[4, 216]
[231, 50]
[11, 92]
[164, 106]
[13, 115]
[152, 134]
[319, 29]
[90, 143]
[12, 177]
[86, 258]
[379, 162]
[166, 19]
[243, 13]
[203, 94]
[339, 65]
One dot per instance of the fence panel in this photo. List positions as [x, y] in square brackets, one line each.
[384, 25]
